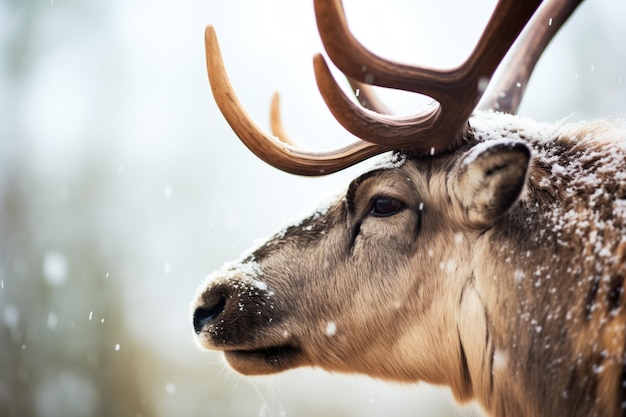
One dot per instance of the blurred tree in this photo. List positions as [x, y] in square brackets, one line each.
[64, 350]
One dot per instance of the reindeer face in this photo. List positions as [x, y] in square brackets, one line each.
[356, 286]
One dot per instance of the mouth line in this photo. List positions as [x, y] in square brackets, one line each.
[263, 361]
[269, 353]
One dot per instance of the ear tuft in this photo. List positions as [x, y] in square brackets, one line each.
[490, 178]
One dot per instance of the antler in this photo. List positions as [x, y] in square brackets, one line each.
[457, 91]
[270, 149]
[440, 128]
[506, 94]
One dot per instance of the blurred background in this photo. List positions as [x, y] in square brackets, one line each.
[121, 187]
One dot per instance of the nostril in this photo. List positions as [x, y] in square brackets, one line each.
[207, 313]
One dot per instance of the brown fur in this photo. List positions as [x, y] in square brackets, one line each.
[502, 277]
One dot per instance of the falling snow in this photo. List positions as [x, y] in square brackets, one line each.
[11, 316]
[331, 328]
[55, 268]
[500, 359]
[52, 321]
[170, 388]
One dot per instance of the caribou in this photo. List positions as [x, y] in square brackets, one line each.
[485, 252]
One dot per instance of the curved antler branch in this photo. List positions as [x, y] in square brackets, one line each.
[360, 64]
[414, 132]
[457, 90]
[506, 95]
[265, 146]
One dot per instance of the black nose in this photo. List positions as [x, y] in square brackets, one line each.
[207, 313]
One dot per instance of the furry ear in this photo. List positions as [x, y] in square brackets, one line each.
[489, 179]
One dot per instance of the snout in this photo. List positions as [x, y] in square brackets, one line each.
[232, 308]
[228, 312]
[234, 311]
[207, 313]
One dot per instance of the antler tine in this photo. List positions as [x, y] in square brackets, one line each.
[263, 145]
[401, 132]
[456, 90]
[276, 122]
[506, 94]
[363, 92]
[358, 63]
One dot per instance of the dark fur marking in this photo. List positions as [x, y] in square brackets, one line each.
[614, 295]
[418, 225]
[448, 172]
[465, 374]
[355, 233]
[591, 297]
[429, 177]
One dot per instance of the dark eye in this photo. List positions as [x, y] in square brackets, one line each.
[385, 206]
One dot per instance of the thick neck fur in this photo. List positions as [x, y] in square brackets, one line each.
[550, 304]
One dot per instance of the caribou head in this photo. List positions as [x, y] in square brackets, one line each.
[485, 252]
